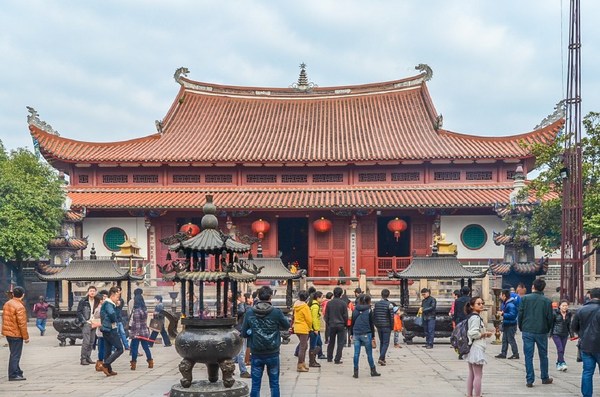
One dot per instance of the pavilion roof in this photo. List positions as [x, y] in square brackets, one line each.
[272, 269]
[90, 270]
[299, 197]
[208, 124]
[436, 268]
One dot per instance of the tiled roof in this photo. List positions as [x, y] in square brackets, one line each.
[538, 268]
[209, 123]
[74, 216]
[75, 243]
[90, 270]
[429, 196]
[210, 276]
[436, 268]
[273, 269]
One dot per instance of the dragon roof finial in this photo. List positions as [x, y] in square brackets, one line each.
[422, 67]
[34, 119]
[182, 71]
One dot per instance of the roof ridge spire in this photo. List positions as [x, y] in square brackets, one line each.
[303, 84]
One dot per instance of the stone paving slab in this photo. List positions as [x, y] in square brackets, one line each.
[52, 370]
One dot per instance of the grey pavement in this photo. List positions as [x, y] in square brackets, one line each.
[412, 370]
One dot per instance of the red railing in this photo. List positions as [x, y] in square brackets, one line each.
[387, 264]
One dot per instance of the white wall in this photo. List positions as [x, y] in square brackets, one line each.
[134, 227]
[453, 225]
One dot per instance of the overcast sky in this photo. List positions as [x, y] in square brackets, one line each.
[103, 70]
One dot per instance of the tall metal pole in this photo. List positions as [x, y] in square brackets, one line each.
[571, 279]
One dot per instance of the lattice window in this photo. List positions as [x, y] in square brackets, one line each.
[479, 175]
[419, 237]
[446, 175]
[372, 177]
[406, 176]
[218, 178]
[183, 178]
[115, 179]
[261, 178]
[294, 178]
[368, 236]
[322, 241]
[320, 268]
[145, 178]
[473, 236]
[510, 174]
[84, 179]
[114, 237]
[339, 235]
[328, 178]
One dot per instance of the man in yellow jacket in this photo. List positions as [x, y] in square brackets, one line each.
[14, 328]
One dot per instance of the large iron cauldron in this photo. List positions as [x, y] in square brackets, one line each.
[443, 324]
[65, 322]
[213, 342]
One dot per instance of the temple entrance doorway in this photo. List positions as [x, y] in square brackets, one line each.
[387, 246]
[292, 241]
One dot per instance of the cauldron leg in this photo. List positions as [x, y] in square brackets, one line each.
[228, 368]
[213, 372]
[62, 340]
[185, 367]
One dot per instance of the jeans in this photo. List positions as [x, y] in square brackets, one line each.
[365, 340]
[122, 334]
[135, 346]
[429, 329]
[258, 364]
[397, 337]
[508, 338]
[337, 334]
[88, 337]
[100, 341]
[590, 361]
[240, 357]
[315, 340]
[112, 339]
[164, 335]
[561, 344]
[384, 341]
[41, 324]
[15, 345]
[530, 340]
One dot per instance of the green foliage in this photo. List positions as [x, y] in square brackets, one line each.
[546, 221]
[30, 205]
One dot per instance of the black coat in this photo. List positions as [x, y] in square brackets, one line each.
[561, 326]
[586, 323]
[383, 314]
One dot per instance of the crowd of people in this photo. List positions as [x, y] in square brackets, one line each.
[341, 321]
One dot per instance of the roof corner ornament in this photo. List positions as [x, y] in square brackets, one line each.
[303, 84]
[182, 71]
[159, 126]
[559, 113]
[424, 68]
[34, 119]
[439, 122]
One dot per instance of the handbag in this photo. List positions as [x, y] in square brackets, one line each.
[156, 325]
[419, 320]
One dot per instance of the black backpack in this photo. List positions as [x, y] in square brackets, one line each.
[459, 338]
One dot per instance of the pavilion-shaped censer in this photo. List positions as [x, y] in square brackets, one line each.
[209, 337]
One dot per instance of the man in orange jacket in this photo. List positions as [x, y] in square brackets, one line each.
[14, 328]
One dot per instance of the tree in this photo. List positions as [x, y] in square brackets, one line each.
[546, 221]
[31, 198]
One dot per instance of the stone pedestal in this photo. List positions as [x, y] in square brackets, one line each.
[205, 388]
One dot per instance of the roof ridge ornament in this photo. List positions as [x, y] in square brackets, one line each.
[34, 119]
[303, 84]
[159, 126]
[424, 68]
[559, 113]
[182, 71]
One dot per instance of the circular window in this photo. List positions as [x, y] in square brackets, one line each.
[473, 237]
[114, 237]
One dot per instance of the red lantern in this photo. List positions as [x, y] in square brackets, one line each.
[397, 225]
[260, 227]
[190, 229]
[322, 225]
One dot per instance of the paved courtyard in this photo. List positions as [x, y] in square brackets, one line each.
[55, 371]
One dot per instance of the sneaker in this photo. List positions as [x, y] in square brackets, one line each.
[381, 362]
[559, 366]
[547, 381]
[245, 375]
[529, 385]
[429, 347]
[514, 357]
[500, 356]
[564, 367]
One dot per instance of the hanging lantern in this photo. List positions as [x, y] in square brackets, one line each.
[260, 227]
[322, 225]
[396, 226]
[190, 229]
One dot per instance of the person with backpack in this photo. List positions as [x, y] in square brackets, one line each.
[315, 334]
[509, 315]
[477, 334]
[262, 326]
[336, 317]
[363, 329]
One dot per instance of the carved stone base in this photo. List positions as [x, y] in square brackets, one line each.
[204, 388]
